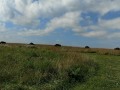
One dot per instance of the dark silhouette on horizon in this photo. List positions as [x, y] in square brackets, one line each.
[31, 43]
[117, 48]
[2, 42]
[87, 47]
[57, 45]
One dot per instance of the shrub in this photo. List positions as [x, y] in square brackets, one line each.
[117, 48]
[5, 77]
[2, 42]
[81, 72]
[57, 45]
[87, 47]
[31, 43]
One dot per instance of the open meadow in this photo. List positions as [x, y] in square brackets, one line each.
[46, 67]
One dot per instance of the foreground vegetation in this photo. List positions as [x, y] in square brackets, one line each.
[26, 67]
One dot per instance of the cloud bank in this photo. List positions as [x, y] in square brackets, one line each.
[65, 14]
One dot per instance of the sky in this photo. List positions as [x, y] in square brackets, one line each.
[95, 23]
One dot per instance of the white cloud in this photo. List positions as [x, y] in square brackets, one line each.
[104, 29]
[110, 24]
[69, 20]
[63, 14]
[100, 34]
[28, 12]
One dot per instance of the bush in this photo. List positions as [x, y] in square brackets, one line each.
[57, 45]
[5, 77]
[117, 48]
[2, 42]
[87, 47]
[31, 43]
[81, 72]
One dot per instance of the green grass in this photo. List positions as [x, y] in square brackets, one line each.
[37, 67]
[108, 77]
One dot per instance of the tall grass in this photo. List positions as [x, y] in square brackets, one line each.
[36, 68]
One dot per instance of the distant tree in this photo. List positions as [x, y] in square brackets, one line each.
[57, 45]
[31, 43]
[2, 42]
[87, 47]
[117, 48]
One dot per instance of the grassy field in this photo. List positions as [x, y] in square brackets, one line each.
[44, 67]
